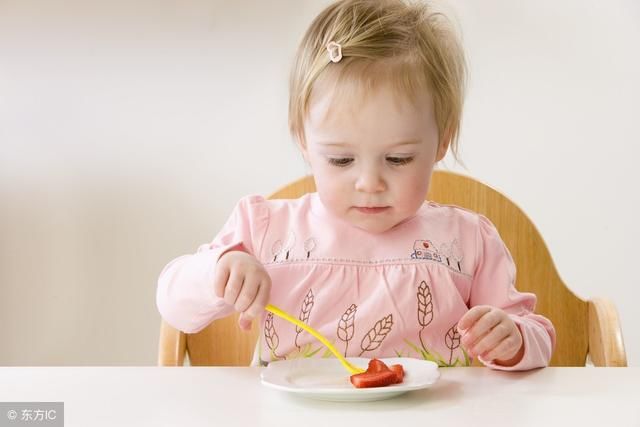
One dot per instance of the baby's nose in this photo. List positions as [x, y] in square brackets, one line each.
[370, 181]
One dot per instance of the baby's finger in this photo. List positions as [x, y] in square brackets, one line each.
[489, 341]
[247, 294]
[260, 300]
[472, 317]
[233, 287]
[503, 351]
[470, 339]
[483, 325]
[244, 322]
[220, 279]
[480, 330]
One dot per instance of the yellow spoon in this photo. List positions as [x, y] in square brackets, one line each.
[286, 316]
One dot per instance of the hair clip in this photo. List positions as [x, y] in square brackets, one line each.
[335, 51]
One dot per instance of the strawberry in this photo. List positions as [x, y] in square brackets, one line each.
[378, 374]
[374, 379]
[377, 365]
[399, 371]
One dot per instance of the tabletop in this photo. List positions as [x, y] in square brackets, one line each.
[210, 396]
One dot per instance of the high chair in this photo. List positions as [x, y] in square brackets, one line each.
[585, 328]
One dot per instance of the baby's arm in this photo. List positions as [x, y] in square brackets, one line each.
[186, 294]
[501, 328]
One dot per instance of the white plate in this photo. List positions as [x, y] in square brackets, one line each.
[327, 379]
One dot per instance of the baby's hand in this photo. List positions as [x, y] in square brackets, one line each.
[490, 333]
[244, 283]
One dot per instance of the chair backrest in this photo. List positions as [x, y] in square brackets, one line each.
[582, 327]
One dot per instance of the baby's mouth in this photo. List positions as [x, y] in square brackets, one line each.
[372, 209]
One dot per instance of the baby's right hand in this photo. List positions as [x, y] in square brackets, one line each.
[244, 283]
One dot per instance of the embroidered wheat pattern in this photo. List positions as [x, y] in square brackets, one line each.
[377, 334]
[346, 326]
[425, 308]
[270, 336]
[305, 311]
[452, 340]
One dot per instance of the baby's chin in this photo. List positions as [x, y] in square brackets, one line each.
[373, 230]
[374, 226]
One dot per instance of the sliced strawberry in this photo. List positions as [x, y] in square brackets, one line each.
[377, 365]
[374, 379]
[399, 371]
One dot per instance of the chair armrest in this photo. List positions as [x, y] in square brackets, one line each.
[172, 346]
[606, 346]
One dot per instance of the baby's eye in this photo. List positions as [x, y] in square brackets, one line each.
[340, 161]
[399, 161]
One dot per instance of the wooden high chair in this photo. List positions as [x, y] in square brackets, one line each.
[584, 328]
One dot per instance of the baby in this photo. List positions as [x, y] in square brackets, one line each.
[376, 95]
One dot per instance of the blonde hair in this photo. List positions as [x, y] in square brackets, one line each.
[406, 44]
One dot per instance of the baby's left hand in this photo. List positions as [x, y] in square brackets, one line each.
[490, 333]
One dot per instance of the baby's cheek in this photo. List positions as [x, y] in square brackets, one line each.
[333, 199]
[415, 188]
[412, 200]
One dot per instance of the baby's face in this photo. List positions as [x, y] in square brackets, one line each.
[372, 159]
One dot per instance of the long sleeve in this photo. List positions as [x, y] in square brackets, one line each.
[493, 284]
[185, 295]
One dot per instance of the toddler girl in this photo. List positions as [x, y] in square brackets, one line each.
[376, 98]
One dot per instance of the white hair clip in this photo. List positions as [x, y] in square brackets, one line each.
[335, 51]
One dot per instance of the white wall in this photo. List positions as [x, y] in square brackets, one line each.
[129, 129]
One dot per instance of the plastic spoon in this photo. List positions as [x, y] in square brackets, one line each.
[286, 316]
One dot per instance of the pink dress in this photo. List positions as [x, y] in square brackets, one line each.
[399, 293]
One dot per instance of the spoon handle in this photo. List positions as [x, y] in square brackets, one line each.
[286, 316]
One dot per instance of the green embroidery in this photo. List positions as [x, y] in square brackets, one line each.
[434, 356]
[308, 350]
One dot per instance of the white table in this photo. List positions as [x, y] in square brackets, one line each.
[216, 396]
